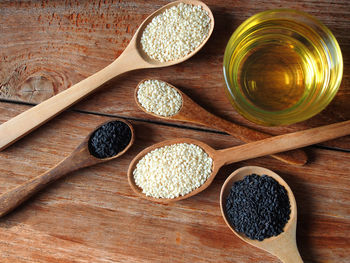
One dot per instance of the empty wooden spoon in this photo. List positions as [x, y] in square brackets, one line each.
[193, 113]
[243, 152]
[132, 58]
[79, 158]
[284, 245]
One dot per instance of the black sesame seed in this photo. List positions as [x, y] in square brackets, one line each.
[258, 206]
[110, 139]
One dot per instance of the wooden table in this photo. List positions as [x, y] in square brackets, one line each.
[92, 215]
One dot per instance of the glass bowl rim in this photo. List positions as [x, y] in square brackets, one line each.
[261, 119]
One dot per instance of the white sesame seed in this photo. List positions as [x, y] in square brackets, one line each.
[172, 171]
[176, 32]
[158, 97]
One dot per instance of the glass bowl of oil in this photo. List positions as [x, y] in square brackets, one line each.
[281, 67]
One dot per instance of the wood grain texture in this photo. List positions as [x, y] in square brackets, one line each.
[239, 153]
[47, 46]
[81, 157]
[191, 112]
[131, 59]
[92, 215]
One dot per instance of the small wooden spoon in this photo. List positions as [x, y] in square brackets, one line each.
[247, 151]
[284, 245]
[79, 158]
[132, 58]
[193, 113]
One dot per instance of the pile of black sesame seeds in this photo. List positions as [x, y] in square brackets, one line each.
[110, 139]
[258, 206]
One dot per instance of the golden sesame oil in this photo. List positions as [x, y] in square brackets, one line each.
[281, 66]
[273, 76]
[277, 67]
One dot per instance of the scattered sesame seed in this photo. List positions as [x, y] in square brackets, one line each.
[176, 32]
[158, 97]
[172, 171]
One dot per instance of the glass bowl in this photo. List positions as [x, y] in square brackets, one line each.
[281, 67]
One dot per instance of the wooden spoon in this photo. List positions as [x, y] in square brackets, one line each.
[193, 113]
[132, 58]
[243, 152]
[79, 158]
[284, 245]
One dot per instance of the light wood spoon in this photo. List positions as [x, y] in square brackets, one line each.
[132, 58]
[193, 113]
[247, 151]
[79, 158]
[284, 245]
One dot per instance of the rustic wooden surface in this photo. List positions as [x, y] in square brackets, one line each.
[92, 215]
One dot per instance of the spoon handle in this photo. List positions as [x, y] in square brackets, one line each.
[291, 254]
[285, 246]
[24, 123]
[284, 142]
[199, 115]
[13, 198]
[296, 157]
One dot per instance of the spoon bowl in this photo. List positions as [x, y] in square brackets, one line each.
[284, 245]
[210, 151]
[191, 112]
[94, 160]
[132, 58]
[135, 43]
[247, 151]
[79, 158]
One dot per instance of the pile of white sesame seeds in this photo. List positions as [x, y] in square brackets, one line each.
[173, 171]
[159, 98]
[176, 32]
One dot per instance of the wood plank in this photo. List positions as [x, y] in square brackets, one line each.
[92, 215]
[47, 46]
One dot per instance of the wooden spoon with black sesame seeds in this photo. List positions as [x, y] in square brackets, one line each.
[193, 113]
[83, 156]
[284, 245]
[133, 57]
[247, 151]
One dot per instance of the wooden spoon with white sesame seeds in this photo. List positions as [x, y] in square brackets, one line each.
[193, 113]
[284, 245]
[79, 158]
[247, 151]
[132, 58]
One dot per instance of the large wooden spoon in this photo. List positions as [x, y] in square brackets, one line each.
[79, 158]
[132, 58]
[193, 113]
[284, 245]
[251, 150]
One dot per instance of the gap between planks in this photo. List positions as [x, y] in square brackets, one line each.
[181, 126]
